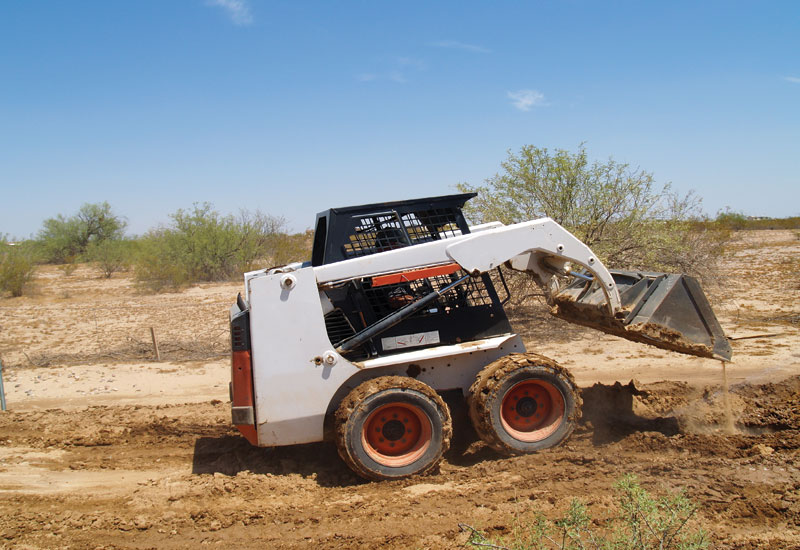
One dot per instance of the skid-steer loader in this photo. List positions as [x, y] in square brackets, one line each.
[398, 305]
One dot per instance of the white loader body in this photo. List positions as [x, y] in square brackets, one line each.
[297, 373]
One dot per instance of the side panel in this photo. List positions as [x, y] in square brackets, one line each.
[292, 382]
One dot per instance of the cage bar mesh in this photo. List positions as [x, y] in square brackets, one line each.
[388, 298]
[384, 231]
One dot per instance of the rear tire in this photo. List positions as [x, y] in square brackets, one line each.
[392, 427]
[523, 403]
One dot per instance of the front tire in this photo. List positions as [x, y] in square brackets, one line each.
[523, 403]
[392, 427]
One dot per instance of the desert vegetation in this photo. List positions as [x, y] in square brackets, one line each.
[203, 245]
[66, 239]
[629, 219]
[622, 213]
[197, 245]
[17, 267]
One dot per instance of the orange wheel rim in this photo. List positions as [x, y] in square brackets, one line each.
[532, 410]
[396, 434]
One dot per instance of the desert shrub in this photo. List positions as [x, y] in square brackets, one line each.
[202, 245]
[729, 219]
[287, 248]
[620, 212]
[64, 240]
[16, 268]
[112, 255]
[158, 264]
[69, 266]
[643, 522]
[792, 222]
[736, 221]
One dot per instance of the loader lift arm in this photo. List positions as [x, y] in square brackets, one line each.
[541, 247]
[667, 311]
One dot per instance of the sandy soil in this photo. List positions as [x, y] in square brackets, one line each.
[104, 447]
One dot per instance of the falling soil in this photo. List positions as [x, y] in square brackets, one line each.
[726, 400]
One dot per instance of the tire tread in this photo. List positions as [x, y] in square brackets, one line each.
[355, 399]
[492, 375]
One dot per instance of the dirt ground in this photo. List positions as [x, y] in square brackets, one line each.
[104, 447]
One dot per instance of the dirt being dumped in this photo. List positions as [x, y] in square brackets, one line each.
[726, 400]
[596, 316]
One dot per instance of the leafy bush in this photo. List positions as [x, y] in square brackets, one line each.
[731, 220]
[643, 523]
[620, 212]
[112, 255]
[16, 268]
[66, 239]
[203, 245]
[158, 264]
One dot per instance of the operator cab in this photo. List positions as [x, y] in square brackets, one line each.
[468, 312]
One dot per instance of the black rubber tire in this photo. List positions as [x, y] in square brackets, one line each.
[498, 378]
[354, 412]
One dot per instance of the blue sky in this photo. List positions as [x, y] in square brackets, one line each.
[292, 107]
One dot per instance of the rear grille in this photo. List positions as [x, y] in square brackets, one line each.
[338, 327]
[240, 333]
[239, 338]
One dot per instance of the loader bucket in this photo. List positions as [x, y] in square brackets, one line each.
[669, 311]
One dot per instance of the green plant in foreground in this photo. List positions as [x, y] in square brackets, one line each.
[644, 522]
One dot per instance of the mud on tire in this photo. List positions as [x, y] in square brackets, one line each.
[392, 427]
[523, 403]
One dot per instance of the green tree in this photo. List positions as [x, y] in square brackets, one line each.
[65, 239]
[621, 212]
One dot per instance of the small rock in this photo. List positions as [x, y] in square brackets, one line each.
[141, 523]
[763, 450]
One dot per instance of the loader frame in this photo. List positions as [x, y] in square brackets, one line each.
[299, 374]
